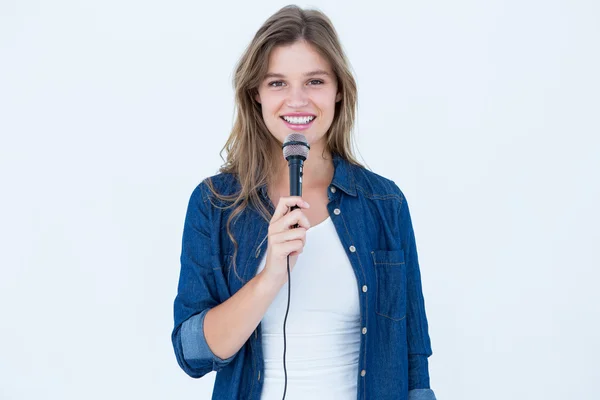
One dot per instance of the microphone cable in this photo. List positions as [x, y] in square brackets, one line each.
[287, 310]
[284, 322]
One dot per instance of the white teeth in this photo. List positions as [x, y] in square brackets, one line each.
[298, 120]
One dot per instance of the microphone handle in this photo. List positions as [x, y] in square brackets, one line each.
[295, 165]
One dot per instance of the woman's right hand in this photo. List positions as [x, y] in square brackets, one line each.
[283, 239]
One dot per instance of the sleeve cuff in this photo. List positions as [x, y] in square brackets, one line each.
[421, 394]
[194, 345]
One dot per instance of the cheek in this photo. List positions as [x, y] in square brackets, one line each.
[270, 105]
[326, 102]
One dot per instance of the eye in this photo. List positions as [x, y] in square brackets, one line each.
[272, 83]
[319, 82]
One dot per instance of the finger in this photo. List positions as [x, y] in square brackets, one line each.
[289, 221]
[285, 203]
[292, 246]
[293, 218]
[288, 235]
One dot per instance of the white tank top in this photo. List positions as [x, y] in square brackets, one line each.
[323, 324]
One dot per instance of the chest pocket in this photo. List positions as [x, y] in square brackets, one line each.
[390, 271]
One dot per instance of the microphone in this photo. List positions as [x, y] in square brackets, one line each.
[295, 151]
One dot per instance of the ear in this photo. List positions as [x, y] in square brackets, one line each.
[338, 97]
[257, 97]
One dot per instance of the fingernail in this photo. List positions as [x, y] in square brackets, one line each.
[306, 204]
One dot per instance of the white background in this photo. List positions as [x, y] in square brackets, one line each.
[484, 113]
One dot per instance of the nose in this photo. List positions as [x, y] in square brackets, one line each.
[297, 97]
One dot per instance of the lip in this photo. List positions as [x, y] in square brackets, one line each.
[298, 114]
[298, 127]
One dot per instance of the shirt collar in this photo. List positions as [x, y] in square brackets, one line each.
[343, 177]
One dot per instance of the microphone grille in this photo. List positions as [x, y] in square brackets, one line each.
[295, 144]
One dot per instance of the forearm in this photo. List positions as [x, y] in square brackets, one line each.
[228, 325]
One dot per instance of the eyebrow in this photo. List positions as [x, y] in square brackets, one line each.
[311, 73]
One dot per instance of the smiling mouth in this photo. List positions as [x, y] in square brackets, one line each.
[298, 120]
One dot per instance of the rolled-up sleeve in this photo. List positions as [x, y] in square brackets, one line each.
[196, 291]
[421, 394]
[194, 345]
[418, 341]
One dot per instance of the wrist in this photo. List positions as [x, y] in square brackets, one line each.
[271, 281]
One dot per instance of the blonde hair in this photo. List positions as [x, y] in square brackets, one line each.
[249, 146]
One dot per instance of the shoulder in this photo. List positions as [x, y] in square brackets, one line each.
[224, 184]
[203, 195]
[374, 185]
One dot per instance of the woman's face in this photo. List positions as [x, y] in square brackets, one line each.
[298, 93]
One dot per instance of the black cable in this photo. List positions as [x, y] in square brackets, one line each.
[284, 321]
[288, 308]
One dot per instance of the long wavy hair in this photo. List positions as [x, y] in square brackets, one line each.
[250, 144]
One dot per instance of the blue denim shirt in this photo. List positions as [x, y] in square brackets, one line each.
[372, 219]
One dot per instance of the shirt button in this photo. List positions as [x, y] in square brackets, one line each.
[352, 249]
[365, 288]
[364, 331]
[337, 211]
[332, 189]
[363, 372]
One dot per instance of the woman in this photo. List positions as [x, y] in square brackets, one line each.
[357, 327]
